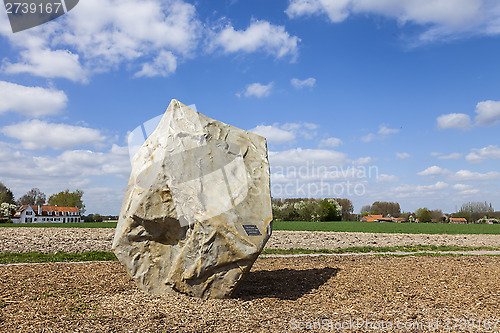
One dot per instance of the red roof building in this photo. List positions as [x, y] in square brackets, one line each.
[458, 220]
[46, 214]
[371, 218]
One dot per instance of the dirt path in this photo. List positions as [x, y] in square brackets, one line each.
[51, 240]
[417, 294]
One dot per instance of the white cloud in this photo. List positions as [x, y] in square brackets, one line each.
[257, 90]
[420, 190]
[384, 130]
[38, 135]
[299, 84]
[369, 137]
[315, 174]
[403, 155]
[383, 133]
[273, 134]
[363, 160]
[259, 36]
[472, 191]
[292, 126]
[487, 113]
[462, 187]
[163, 65]
[311, 173]
[337, 11]
[116, 161]
[330, 142]
[439, 18]
[465, 190]
[83, 169]
[452, 156]
[49, 64]
[433, 171]
[474, 158]
[286, 132]
[98, 36]
[69, 164]
[386, 179]
[299, 156]
[103, 29]
[4, 25]
[434, 187]
[465, 175]
[310, 126]
[454, 120]
[479, 155]
[31, 101]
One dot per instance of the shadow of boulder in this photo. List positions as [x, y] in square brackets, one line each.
[287, 284]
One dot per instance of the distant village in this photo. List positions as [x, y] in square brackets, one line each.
[63, 207]
[411, 219]
[341, 209]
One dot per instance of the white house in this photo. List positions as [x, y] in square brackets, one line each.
[46, 214]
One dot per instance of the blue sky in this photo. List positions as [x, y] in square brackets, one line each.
[369, 100]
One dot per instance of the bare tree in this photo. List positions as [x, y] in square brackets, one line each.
[386, 208]
[473, 211]
[365, 209]
[347, 208]
[33, 197]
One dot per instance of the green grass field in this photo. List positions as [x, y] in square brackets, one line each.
[32, 257]
[388, 227]
[375, 227]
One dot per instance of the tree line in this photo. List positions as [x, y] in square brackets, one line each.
[336, 209]
[66, 198]
[307, 209]
[387, 209]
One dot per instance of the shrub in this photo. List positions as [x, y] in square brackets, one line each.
[330, 210]
[307, 210]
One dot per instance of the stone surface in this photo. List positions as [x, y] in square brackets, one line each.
[197, 211]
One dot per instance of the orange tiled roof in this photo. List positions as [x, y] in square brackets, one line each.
[46, 209]
[372, 218]
[458, 219]
[22, 209]
[59, 209]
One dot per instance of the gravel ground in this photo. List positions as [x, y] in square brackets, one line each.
[332, 240]
[51, 240]
[362, 293]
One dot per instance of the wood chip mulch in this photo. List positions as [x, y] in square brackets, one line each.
[313, 294]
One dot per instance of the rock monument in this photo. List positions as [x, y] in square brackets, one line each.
[197, 211]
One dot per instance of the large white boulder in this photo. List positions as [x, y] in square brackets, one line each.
[197, 211]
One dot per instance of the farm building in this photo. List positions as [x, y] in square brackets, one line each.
[46, 214]
[458, 220]
[372, 218]
[381, 218]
